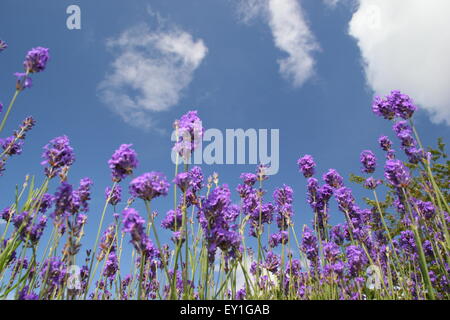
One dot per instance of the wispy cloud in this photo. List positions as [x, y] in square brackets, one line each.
[150, 70]
[291, 34]
[405, 45]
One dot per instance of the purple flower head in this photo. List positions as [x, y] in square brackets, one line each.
[115, 196]
[107, 242]
[426, 209]
[133, 223]
[309, 246]
[278, 238]
[216, 217]
[307, 165]
[53, 272]
[182, 180]
[57, 154]
[111, 266]
[331, 251]
[272, 262]
[249, 178]
[1, 106]
[173, 220]
[190, 133]
[383, 108]
[81, 196]
[23, 81]
[241, 294]
[385, 143]
[24, 294]
[415, 155]
[3, 45]
[63, 201]
[356, 259]
[368, 160]
[333, 179]
[402, 104]
[396, 173]
[123, 162]
[36, 60]
[345, 199]
[371, 183]
[150, 185]
[196, 179]
[400, 126]
[29, 230]
[283, 200]
[261, 172]
[45, 202]
[11, 145]
[7, 213]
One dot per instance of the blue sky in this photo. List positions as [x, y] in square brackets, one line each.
[237, 83]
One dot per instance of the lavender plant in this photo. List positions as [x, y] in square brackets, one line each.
[394, 245]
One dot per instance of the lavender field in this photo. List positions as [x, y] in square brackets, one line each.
[392, 245]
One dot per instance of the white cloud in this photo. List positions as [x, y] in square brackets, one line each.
[405, 45]
[149, 72]
[331, 3]
[290, 32]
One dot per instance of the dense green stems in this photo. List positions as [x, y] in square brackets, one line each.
[422, 259]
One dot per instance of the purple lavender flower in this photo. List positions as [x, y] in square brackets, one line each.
[218, 223]
[36, 60]
[24, 294]
[241, 294]
[3, 45]
[333, 179]
[383, 108]
[345, 199]
[249, 178]
[46, 202]
[111, 266]
[283, 199]
[11, 145]
[371, 183]
[331, 251]
[63, 201]
[402, 104]
[7, 213]
[278, 238]
[182, 180]
[123, 162]
[338, 234]
[115, 196]
[356, 259]
[149, 185]
[368, 160]
[309, 247]
[190, 133]
[57, 154]
[307, 165]
[107, 242]
[23, 81]
[53, 272]
[173, 220]
[385, 143]
[396, 173]
[29, 231]
[426, 209]
[133, 224]
[272, 262]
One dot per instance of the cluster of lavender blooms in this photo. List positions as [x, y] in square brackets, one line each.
[366, 256]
